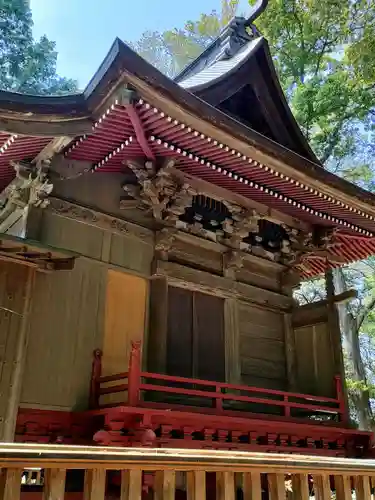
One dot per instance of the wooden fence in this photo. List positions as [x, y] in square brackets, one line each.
[318, 476]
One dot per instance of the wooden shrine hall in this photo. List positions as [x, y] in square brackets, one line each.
[152, 234]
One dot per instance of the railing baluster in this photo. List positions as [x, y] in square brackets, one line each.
[343, 487]
[225, 488]
[286, 408]
[10, 484]
[196, 485]
[54, 484]
[94, 484]
[165, 485]
[276, 486]
[218, 400]
[372, 486]
[322, 487]
[362, 488]
[300, 487]
[131, 484]
[251, 486]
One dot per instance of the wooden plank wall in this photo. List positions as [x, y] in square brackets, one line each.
[66, 326]
[12, 293]
[314, 354]
[68, 310]
[262, 347]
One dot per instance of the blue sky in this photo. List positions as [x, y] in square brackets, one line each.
[85, 29]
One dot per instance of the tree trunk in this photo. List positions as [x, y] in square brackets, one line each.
[356, 369]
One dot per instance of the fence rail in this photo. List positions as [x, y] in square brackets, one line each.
[250, 472]
[136, 382]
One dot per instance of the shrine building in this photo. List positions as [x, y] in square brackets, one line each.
[152, 233]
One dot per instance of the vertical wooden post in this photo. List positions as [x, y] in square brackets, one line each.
[10, 484]
[225, 486]
[232, 342]
[134, 376]
[54, 484]
[290, 352]
[218, 400]
[276, 486]
[131, 485]
[251, 486]
[335, 334]
[362, 488]
[196, 485]
[300, 487]
[165, 485]
[19, 362]
[94, 488]
[96, 373]
[322, 487]
[343, 488]
[343, 409]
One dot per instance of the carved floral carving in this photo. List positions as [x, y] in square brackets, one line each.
[157, 189]
[70, 210]
[31, 187]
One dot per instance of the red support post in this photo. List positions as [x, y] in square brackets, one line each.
[287, 408]
[134, 375]
[343, 410]
[96, 372]
[218, 400]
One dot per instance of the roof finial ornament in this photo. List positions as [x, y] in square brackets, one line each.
[236, 34]
[256, 10]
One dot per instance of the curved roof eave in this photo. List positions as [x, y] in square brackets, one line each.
[206, 79]
[43, 115]
[132, 68]
[221, 69]
[123, 66]
[283, 100]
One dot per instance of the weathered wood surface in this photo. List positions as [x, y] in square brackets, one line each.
[287, 475]
[262, 347]
[15, 291]
[66, 325]
[205, 282]
[315, 361]
[98, 236]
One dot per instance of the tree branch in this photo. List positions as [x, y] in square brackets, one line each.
[364, 312]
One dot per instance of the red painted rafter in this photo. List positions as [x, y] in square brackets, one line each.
[139, 131]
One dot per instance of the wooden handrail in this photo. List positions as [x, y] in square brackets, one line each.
[234, 397]
[48, 456]
[134, 385]
[131, 462]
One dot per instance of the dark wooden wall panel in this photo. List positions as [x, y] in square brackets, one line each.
[131, 253]
[262, 347]
[12, 289]
[315, 363]
[179, 334]
[72, 235]
[66, 326]
[209, 334]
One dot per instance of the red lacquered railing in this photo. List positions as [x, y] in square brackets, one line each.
[218, 392]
